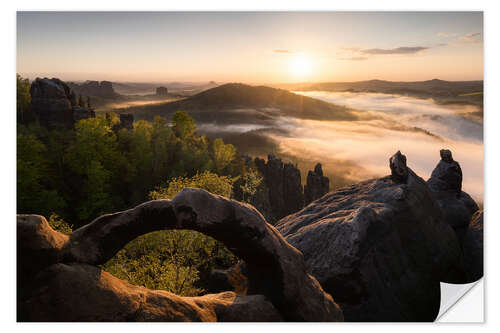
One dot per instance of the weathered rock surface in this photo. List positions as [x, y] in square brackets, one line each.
[399, 170]
[284, 184]
[277, 276]
[316, 186]
[446, 187]
[473, 247]
[380, 247]
[81, 292]
[54, 104]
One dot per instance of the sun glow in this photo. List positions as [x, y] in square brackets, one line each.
[300, 65]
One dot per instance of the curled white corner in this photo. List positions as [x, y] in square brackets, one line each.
[460, 305]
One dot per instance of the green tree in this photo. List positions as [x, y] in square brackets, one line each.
[33, 193]
[183, 125]
[222, 154]
[93, 158]
[23, 97]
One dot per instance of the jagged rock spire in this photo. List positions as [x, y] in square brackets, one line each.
[399, 170]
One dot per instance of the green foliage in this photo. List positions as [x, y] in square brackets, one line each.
[57, 223]
[77, 175]
[209, 181]
[250, 184]
[222, 154]
[93, 157]
[34, 193]
[183, 125]
[23, 96]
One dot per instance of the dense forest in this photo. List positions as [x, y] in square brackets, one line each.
[72, 176]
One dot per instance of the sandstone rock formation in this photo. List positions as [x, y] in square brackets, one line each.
[161, 91]
[317, 185]
[54, 104]
[473, 247]
[446, 187]
[284, 184]
[58, 278]
[94, 88]
[380, 247]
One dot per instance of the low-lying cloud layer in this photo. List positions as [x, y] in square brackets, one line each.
[356, 150]
[371, 142]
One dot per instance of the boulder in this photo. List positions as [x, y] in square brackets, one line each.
[473, 247]
[69, 286]
[380, 247]
[445, 184]
[316, 186]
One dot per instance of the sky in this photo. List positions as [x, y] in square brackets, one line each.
[250, 47]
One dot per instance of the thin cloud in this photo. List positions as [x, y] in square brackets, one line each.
[397, 50]
[446, 35]
[352, 49]
[353, 58]
[473, 37]
[282, 51]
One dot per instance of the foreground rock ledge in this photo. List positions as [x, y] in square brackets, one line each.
[381, 247]
[58, 280]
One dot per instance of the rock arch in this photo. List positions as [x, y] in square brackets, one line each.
[279, 286]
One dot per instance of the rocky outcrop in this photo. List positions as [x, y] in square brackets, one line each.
[316, 186]
[59, 280]
[127, 121]
[73, 292]
[54, 104]
[284, 184]
[161, 91]
[473, 247]
[445, 184]
[381, 247]
[94, 88]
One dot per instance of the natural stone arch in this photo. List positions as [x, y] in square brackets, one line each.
[275, 269]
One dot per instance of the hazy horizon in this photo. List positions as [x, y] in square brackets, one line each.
[250, 47]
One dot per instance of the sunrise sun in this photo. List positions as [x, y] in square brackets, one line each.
[300, 65]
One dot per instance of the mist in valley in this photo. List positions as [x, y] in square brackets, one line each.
[352, 151]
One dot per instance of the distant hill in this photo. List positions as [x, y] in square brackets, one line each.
[254, 104]
[433, 87]
[140, 88]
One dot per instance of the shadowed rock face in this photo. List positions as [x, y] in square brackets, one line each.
[446, 187]
[317, 185]
[380, 246]
[53, 265]
[284, 184]
[473, 247]
[54, 104]
[50, 101]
